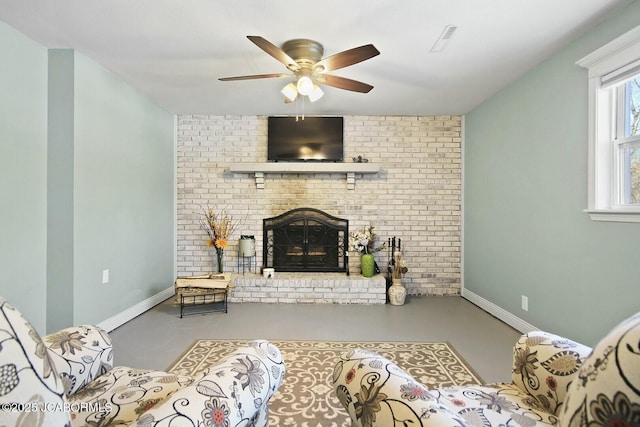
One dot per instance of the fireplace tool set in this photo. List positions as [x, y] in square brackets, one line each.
[393, 245]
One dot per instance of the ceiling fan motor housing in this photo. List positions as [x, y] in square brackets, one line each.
[305, 52]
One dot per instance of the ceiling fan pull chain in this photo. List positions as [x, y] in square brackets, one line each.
[299, 114]
[298, 109]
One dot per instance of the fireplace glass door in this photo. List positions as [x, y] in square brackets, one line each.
[305, 240]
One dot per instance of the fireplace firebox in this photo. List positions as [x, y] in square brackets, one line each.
[306, 240]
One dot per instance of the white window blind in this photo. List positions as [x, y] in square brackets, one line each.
[620, 75]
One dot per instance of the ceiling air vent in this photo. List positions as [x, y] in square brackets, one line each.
[444, 38]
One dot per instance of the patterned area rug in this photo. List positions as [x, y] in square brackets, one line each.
[306, 397]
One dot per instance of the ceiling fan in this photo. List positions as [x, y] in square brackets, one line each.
[303, 57]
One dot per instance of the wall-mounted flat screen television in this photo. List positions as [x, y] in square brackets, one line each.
[317, 139]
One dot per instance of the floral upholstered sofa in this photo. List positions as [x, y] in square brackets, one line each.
[555, 381]
[68, 379]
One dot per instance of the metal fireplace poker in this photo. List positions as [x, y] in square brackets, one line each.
[391, 255]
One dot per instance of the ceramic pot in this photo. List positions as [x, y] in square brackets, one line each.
[397, 293]
[247, 246]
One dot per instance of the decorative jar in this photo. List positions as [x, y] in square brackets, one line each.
[397, 292]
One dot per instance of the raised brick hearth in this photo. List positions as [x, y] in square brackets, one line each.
[312, 288]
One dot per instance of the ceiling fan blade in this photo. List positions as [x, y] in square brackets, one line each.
[275, 51]
[256, 76]
[346, 58]
[343, 83]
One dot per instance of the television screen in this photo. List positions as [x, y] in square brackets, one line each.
[311, 139]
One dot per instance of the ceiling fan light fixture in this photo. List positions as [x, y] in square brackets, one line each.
[290, 91]
[305, 85]
[315, 94]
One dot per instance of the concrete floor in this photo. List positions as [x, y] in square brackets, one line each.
[156, 338]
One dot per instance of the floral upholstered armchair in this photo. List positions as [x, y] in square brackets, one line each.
[68, 379]
[555, 381]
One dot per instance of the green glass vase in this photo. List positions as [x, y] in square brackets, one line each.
[367, 265]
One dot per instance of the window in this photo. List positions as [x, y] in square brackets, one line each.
[614, 129]
[626, 143]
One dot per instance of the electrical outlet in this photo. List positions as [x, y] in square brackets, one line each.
[105, 276]
[525, 303]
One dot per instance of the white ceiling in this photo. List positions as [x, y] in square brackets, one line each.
[175, 51]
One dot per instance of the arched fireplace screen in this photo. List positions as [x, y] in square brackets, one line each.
[306, 240]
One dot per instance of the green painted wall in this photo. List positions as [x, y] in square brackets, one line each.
[60, 176]
[123, 195]
[525, 191]
[23, 185]
[87, 184]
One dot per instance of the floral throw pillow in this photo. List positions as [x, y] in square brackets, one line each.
[544, 365]
[606, 390]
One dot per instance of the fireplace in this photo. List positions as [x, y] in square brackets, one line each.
[306, 240]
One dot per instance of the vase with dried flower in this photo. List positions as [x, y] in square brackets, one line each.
[397, 269]
[366, 242]
[219, 226]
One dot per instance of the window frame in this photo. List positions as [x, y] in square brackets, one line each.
[603, 202]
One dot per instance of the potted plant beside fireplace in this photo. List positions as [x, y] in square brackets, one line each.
[366, 243]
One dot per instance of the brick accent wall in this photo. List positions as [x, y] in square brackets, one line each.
[416, 196]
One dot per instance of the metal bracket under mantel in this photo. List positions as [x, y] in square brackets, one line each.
[348, 169]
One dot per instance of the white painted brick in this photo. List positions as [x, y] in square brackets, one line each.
[416, 196]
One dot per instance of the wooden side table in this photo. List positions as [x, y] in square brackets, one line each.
[210, 289]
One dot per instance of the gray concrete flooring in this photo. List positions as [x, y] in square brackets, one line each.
[156, 338]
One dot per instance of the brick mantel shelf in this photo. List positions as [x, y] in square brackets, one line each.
[260, 169]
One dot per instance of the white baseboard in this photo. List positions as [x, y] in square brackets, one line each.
[123, 317]
[497, 311]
